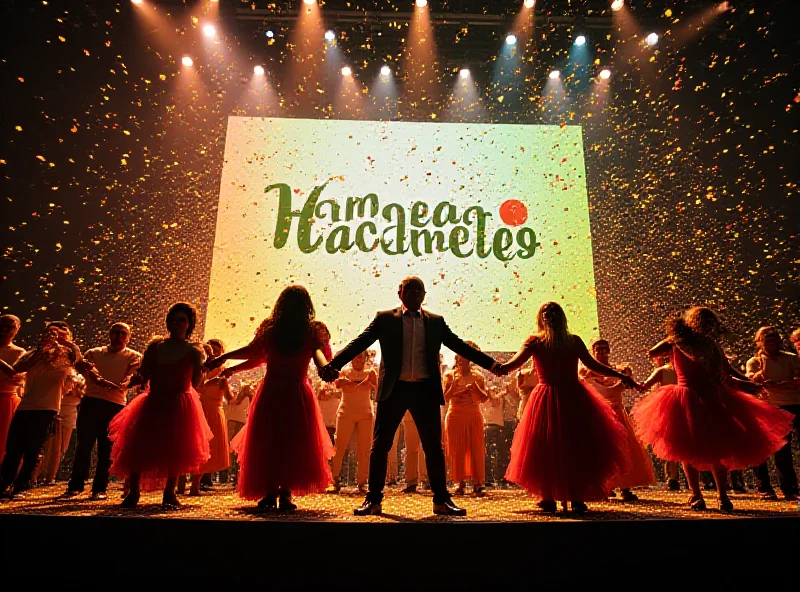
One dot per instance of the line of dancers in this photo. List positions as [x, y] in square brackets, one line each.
[574, 443]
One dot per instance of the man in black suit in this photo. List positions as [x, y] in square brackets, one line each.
[409, 380]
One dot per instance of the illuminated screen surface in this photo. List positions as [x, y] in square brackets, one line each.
[494, 219]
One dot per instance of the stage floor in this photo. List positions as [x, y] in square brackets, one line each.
[499, 505]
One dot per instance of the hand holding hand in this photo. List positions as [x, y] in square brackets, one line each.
[631, 383]
[213, 363]
[328, 373]
[498, 369]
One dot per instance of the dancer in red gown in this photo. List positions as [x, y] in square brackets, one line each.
[705, 421]
[163, 432]
[568, 445]
[284, 447]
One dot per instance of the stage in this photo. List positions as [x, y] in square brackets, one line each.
[504, 540]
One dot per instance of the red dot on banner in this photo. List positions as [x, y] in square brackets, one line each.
[513, 212]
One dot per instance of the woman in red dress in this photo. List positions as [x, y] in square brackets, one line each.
[284, 447]
[705, 421]
[163, 432]
[568, 445]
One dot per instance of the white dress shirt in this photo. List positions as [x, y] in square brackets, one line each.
[414, 366]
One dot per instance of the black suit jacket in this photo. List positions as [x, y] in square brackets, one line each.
[387, 328]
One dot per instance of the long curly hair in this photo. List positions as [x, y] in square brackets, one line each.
[290, 324]
[552, 325]
[697, 332]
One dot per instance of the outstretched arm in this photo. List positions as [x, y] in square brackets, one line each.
[358, 345]
[654, 378]
[254, 362]
[595, 366]
[453, 342]
[319, 358]
[517, 361]
[247, 352]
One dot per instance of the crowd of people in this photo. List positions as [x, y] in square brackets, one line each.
[561, 427]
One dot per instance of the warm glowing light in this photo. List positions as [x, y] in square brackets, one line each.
[258, 70]
[511, 40]
[580, 40]
[464, 73]
[617, 4]
[187, 61]
[308, 1]
[422, 3]
[529, 3]
[270, 34]
[652, 39]
[136, 1]
[209, 30]
[347, 71]
[554, 74]
[330, 35]
[386, 70]
[605, 73]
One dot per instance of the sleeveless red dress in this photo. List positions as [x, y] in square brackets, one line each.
[162, 432]
[702, 421]
[284, 442]
[568, 445]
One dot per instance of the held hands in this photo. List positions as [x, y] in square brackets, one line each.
[328, 373]
[214, 363]
[631, 383]
[498, 369]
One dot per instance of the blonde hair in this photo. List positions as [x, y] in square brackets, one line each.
[552, 325]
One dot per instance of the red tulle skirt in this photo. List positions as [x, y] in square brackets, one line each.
[284, 443]
[218, 447]
[568, 445]
[640, 471]
[720, 425]
[158, 436]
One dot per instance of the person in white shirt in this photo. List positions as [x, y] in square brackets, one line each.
[494, 428]
[778, 372]
[105, 396]
[57, 443]
[236, 416]
[47, 366]
[11, 385]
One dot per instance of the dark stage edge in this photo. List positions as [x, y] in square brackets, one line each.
[81, 543]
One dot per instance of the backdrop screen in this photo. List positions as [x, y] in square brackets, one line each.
[494, 219]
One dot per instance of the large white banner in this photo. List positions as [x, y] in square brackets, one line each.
[493, 218]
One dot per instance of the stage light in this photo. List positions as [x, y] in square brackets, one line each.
[580, 40]
[422, 3]
[136, 1]
[258, 70]
[187, 61]
[554, 74]
[347, 71]
[386, 70]
[309, 1]
[652, 39]
[511, 40]
[529, 3]
[330, 35]
[617, 5]
[209, 30]
[464, 73]
[270, 34]
[605, 73]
